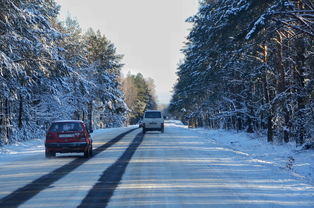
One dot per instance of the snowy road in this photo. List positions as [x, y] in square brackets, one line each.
[180, 168]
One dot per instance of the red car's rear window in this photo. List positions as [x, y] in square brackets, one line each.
[65, 126]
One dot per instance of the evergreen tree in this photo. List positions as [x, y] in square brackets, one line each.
[246, 67]
[50, 71]
[139, 95]
[105, 75]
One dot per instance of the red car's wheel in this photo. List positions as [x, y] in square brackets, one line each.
[89, 152]
[49, 154]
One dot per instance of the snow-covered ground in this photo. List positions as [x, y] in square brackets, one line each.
[191, 168]
[181, 168]
[9, 153]
[300, 163]
[23, 163]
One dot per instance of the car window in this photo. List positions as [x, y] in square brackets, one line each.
[66, 126]
[152, 115]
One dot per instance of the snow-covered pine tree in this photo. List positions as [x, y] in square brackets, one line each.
[30, 56]
[104, 72]
[247, 66]
[44, 71]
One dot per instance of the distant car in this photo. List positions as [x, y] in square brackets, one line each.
[68, 136]
[153, 120]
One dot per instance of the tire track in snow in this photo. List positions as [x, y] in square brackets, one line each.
[27, 192]
[100, 194]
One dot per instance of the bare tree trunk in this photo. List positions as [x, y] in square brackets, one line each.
[267, 98]
[287, 125]
[250, 125]
[282, 86]
[90, 115]
[1, 123]
[6, 122]
[299, 76]
[20, 121]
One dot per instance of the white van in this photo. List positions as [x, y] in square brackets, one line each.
[153, 120]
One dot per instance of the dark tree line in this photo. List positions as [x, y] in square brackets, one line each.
[51, 70]
[249, 65]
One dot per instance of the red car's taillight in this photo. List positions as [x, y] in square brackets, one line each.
[49, 136]
[82, 137]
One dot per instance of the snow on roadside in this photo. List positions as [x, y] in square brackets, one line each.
[12, 152]
[18, 149]
[300, 163]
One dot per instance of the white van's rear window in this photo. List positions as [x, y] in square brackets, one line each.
[152, 115]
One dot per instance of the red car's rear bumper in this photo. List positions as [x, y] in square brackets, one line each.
[67, 147]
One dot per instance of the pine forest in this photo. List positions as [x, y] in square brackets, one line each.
[249, 65]
[51, 70]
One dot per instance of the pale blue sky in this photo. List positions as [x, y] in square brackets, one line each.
[149, 33]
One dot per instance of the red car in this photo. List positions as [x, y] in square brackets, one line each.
[68, 136]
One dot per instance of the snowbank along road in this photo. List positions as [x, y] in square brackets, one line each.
[179, 168]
